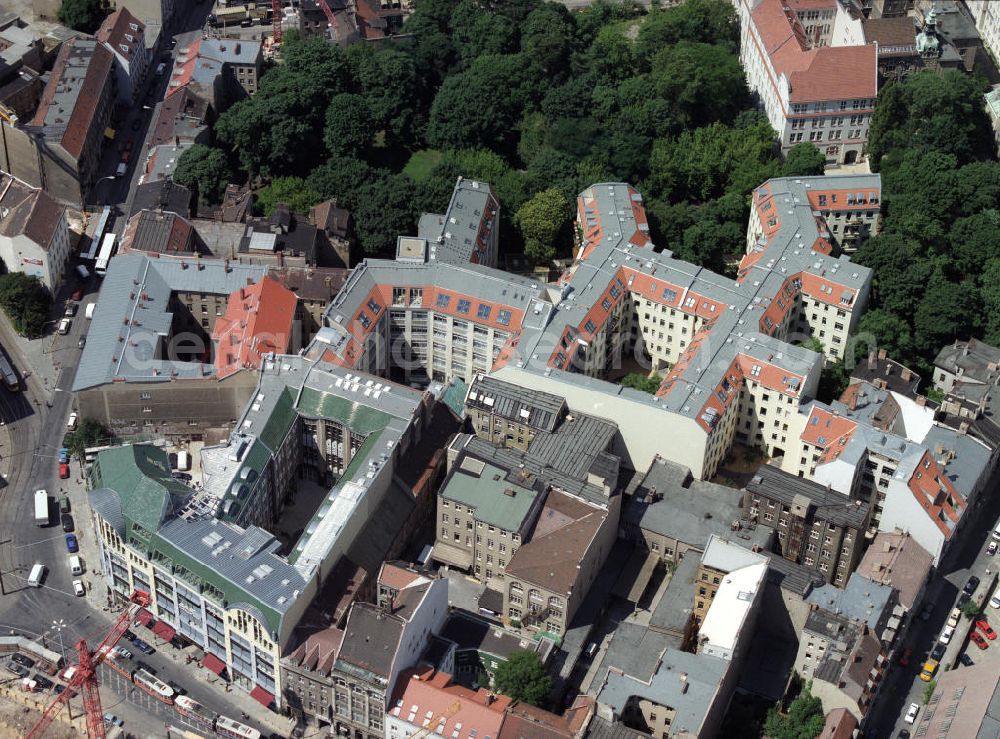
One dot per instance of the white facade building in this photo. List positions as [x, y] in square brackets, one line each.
[34, 234]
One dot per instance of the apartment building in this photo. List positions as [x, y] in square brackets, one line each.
[812, 72]
[478, 647]
[621, 296]
[149, 364]
[986, 15]
[730, 622]
[34, 233]
[71, 119]
[844, 661]
[124, 35]
[815, 525]
[720, 558]
[427, 702]
[219, 71]
[378, 645]
[468, 232]
[509, 415]
[966, 363]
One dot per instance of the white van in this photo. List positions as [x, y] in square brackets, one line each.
[89, 312]
[37, 575]
[71, 423]
[75, 566]
[83, 272]
[995, 599]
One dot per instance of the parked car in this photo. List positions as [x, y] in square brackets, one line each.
[71, 423]
[43, 682]
[128, 635]
[17, 669]
[70, 310]
[930, 667]
[956, 613]
[111, 720]
[122, 652]
[143, 666]
[904, 657]
[992, 548]
[963, 598]
[903, 734]
[63, 471]
[143, 646]
[978, 639]
[77, 294]
[966, 660]
[22, 660]
[173, 460]
[82, 342]
[181, 476]
[984, 626]
[64, 504]
[938, 651]
[59, 688]
[970, 585]
[78, 589]
[946, 634]
[67, 522]
[72, 544]
[911, 713]
[64, 456]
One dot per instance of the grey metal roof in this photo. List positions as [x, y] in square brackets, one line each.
[965, 459]
[371, 638]
[674, 609]
[688, 510]
[452, 237]
[830, 505]
[469, 632]
[523, 405]
[688, 683]
[861, 599]
[635, 649]
[132, 317]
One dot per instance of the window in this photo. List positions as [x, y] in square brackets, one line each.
[483, 312]
[464, 306]
[374, 307]
[364, 320]
[504, 318]
[443, 301]
[589, 327]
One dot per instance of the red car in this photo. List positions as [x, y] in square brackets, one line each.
[904, 657]
[77, 295]
[984, 626]
[978, 639]
[64, 475]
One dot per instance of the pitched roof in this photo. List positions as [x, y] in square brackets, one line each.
[123, 32]
[72, 96]
[258, 321]
[28, 211]
[895, 558]
[140, 476]
[370, 640]
[425, 698]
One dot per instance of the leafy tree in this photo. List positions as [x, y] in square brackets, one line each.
[540, 221]
[970, 609]
[547, 38]
[702, 21]
[803, 160]
[946, 311]
[204, 170]
[82, 15]
[349, 125]
[339, 177]
[880, 329]
[989, 290]
[523, 678]
[26, 301]
[382, 210]
[704, 82]
[388, 81]
[476, 31]
[928, 111]
[929, 691]
[638, 381]
[804, 719]
[88, 433]
[290, 191]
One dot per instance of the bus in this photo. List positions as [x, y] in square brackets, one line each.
[102, 226]
[10, 377]
[225, 726]
[107, 251]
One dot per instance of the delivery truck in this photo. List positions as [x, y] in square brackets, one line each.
[41, 508]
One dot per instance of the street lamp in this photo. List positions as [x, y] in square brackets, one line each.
[59, 626]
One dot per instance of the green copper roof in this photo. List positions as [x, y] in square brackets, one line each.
[140, 475]
[497, 501]
[361, 419]
[280, 420]
[454, 396]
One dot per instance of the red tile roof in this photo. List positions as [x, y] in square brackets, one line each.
[425, 698]
[258, 321]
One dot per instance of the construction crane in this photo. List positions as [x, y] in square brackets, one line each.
[331, 19]
[276, 13]
[84, 680]
[432, 727]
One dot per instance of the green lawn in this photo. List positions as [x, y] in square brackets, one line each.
[421, 163]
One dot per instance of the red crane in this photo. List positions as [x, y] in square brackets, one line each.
[276, 13]
[84, 680]
[330, 17]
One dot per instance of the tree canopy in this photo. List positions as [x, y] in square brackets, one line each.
[523, 678]
[26, 301]
[803, 720]
[205, 171]
[82, 15]
[937, 258]
[535, 100]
